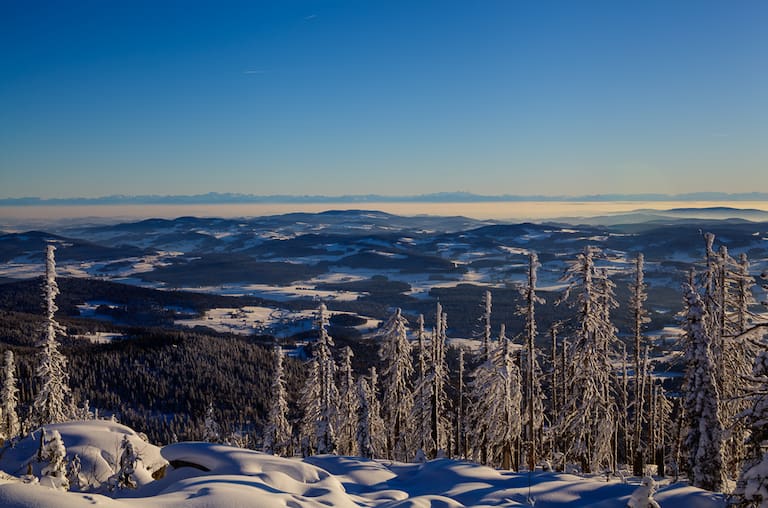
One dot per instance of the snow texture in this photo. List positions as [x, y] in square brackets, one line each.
[212, 475]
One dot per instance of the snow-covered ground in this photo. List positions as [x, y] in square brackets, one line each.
[267, 320]
[213, 476]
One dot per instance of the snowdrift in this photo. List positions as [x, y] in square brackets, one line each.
[211, 475]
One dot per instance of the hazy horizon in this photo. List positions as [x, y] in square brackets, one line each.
[18, 216]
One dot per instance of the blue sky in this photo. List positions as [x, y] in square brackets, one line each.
[390, 97]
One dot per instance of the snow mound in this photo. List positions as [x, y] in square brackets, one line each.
[212, 473]
[96, 442]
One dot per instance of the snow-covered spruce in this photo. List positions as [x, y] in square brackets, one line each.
[212, 429]
[587, 419]
[277, 431]
[52, 404]
[440, 425]
[9, 419]
[371, 434]
[395, 352]
[320, 397]
[348, 406]
[752, 485]
[640, 317]
[55, 455]
[703, 438]
[496, 421]
[125, 478]
[533, 399]
[422, 397]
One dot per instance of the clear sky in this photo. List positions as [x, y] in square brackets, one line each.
[391, 97]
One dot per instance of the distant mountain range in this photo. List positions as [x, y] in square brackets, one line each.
[439, 197]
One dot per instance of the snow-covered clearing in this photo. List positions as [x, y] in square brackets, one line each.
[213, 476]
[250, 320]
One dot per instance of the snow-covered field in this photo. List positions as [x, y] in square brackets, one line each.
[250, 320]
[212, 476]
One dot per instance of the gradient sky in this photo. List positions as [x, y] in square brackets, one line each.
[391, 97]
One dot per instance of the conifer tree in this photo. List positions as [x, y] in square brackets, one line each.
[752, 485]
[320, 396]
[348, 407]
[378, 429]
[74, 473]
[310, 404]
[212, 429]
[395, 352]
[370, 426]
[496, 403]
[533, 418]
[363, 435]
[9, 423]
[587, 420]
[703, 438]
[727, 298]
[485, 320]
[460, 439]
[440, 425]
[422, 400]
[55, 454]
[124, 478]
[52, 404]
[277, 433]
[639, 317]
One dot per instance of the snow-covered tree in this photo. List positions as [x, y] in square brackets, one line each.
[9, 420]
[662, 428]
[277, 432]
[637, 300]
[378, 429]
[212, 431]
[55, 454]
[363, 435]
[703, 439]
[496, 419]
[440, 425]
[75, 475]
[422, 399]
[485, 322]
[348, 406]
[320, 397]
[533, 415]
[727, 298]
[752, 486]
[83, 411]
[329, 394]
[310, 404]
[744, 298]
[587, 420]
[125, 478]
[370, 427]
[52, 404]
[460, 438]
[395, 352]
